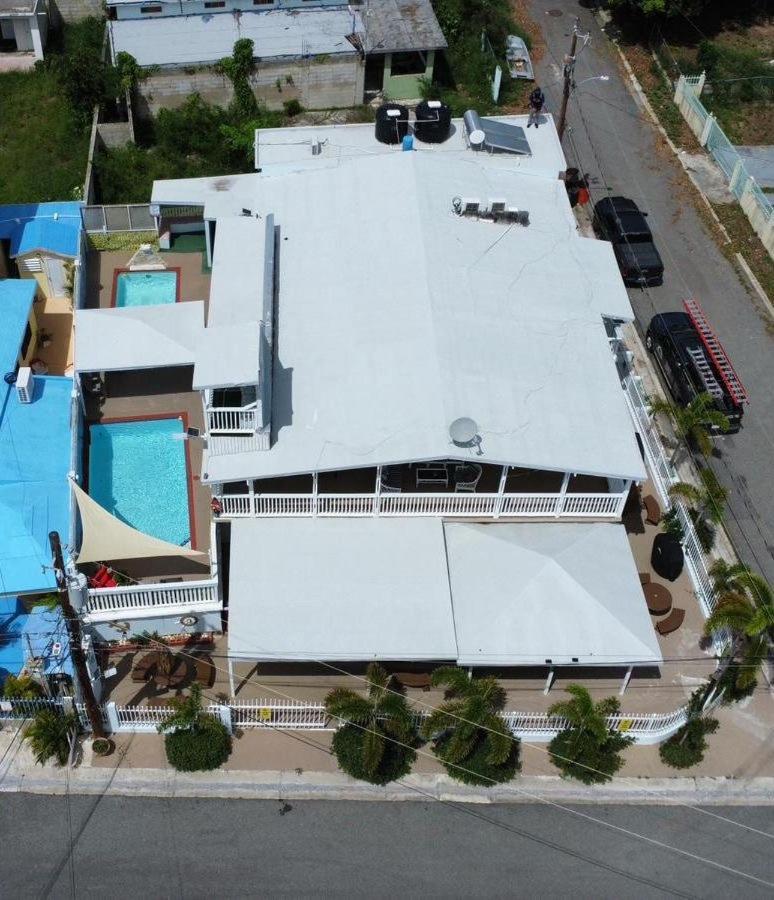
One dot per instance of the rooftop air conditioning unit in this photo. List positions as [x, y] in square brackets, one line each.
[470, 206]
[25, 384]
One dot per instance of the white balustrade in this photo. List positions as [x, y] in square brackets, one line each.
[232, 420]
[142, 598]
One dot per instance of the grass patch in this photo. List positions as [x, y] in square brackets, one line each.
[745, 241]
[43, 145]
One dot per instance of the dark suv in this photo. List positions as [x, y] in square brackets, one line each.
[620, 221]
[681, 357]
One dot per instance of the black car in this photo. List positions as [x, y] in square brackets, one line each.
[687, 367]
[620, 221]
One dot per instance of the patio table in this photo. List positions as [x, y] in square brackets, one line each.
[433, 475]
[658, 598]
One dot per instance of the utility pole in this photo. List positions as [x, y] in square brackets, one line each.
[73, 624]
[569, 71]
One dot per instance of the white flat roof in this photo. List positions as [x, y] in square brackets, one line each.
[339, 589]
[188, 40]
[565, 592]
[398, 316]
[137, 337]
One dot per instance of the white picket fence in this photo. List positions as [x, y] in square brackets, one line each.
[300, 715]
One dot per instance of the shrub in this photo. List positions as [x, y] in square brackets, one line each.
[686, 748]
[477, 767]
[292, 108]
[21, 688]
[202, 748]
[102, 746]
[347, 745]
[49, 736]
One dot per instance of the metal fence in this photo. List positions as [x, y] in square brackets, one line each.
[122, 217]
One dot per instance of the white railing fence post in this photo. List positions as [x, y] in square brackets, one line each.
[112, 717]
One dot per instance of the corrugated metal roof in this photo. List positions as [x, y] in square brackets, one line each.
[190, 40]
[52, 227]
[396, 25]
[16, 298]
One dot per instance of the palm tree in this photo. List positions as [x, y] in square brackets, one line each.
[708, 500]
[195, 740]
[745, 608]
[587, 749]
[692, 421]
[50, 734]
[376, 742]
[471, 738]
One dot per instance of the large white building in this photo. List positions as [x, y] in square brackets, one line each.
[416, 430]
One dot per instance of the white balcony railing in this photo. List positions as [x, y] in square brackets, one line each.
[592, 506]
[232, 420]
[151, 599]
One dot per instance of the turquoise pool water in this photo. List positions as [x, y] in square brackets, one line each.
[137, 472]
[146, 288]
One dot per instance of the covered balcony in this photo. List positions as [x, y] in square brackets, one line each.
[441, 487]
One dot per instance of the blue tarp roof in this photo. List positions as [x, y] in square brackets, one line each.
[34, 490]
[41, 226]
[39, 631]
[16, 296]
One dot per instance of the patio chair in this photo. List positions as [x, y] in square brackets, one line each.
[391, 480]
[204, 670]
[652, 510]
[143, 668]
[420, 680]
[672, 622]
[466, 477]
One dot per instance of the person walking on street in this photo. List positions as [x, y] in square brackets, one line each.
[536, 100]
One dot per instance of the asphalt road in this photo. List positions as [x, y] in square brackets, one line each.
[241, 848]
[611, 138]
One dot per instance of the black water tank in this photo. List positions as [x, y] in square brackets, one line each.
[391, 123]
[433, 121]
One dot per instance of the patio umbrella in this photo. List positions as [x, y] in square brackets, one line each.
[667, 557]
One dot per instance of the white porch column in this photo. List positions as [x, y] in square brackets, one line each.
[562, 494]
[627, 678]
[314, 493]
[549, 680]
[231, 677]
[251, 492]
[377, 490]
[207, 237]
[501, 491]
[37, 41]
[627, 485]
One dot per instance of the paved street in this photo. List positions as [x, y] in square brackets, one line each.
[616, 144]
[238, 848]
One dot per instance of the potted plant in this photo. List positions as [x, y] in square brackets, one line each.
[103, 746]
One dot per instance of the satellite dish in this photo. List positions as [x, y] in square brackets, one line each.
[464, 432]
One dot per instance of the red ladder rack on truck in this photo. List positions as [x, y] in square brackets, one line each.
[715, 349]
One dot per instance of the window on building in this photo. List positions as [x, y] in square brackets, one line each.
[215, 4]
[148, 10]
[112, 13]
[263, 2]
[26, 342]
[408, 64]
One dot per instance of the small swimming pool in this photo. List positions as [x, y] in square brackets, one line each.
[137, 471]
[145, 288]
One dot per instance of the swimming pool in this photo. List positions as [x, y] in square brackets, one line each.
[137, 471]
[145, 288]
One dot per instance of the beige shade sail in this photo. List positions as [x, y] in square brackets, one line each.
[106, 538]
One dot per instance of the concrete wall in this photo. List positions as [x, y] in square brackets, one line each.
[198, 8]
[75, 10]
[335, 81]
[405, 87]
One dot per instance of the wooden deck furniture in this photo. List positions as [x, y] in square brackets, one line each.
[142, 669]
[420, 680]
[173, 679]
[652, 509]
[672, 622]
[204, 670]
[658, 598]
[644, 578]
[433, 473]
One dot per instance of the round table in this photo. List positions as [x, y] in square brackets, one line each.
[658, 598]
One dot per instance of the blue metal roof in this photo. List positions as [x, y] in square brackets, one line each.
[38, 632]
[16, 296]
[54, 227]
[34, 490]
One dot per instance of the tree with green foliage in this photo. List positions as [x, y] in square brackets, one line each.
[706, 504]
[21, 687]
[744, 608]
[588, 749]
[50, 735]
[376, 742]
[237, 68]
[470, 736]
[687, 746]
[693, 421]
[195, 741]
[666, 8]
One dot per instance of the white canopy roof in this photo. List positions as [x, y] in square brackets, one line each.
[106, 538]
[137, 337]
[487, 595]
[339, 589]
[533, 593]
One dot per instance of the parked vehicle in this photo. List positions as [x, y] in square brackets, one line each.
[620, 221]
[517, 57]
[693, 361]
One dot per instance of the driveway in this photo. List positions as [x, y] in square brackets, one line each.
[611, 138]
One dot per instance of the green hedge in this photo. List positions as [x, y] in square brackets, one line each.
[686, 748]
[475, 769]
[347, 746]
[199, 749]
